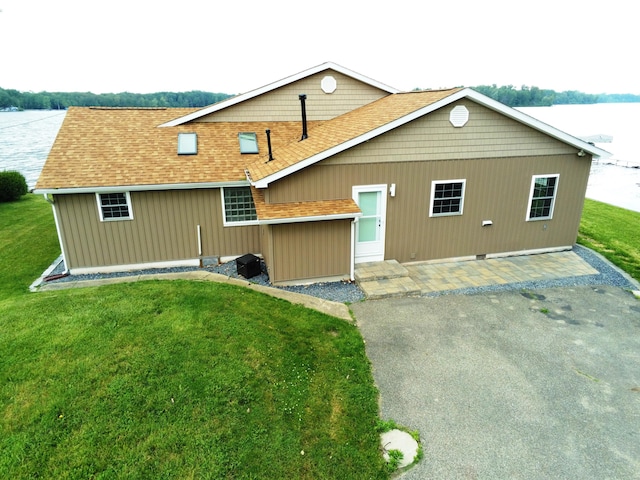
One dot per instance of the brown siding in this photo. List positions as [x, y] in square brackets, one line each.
[487, 134]
[310, 250]
[164, 228]
[283, 104]
[496, 155]
[496, 189]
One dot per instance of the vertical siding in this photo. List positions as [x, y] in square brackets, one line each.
[164, 228]
[496, 155]
[310, 250]
[496, 189]
[283, 104]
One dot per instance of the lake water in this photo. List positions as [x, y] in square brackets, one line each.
[26, 138]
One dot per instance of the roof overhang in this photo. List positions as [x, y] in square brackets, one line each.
[140, 188]
[469, 93]
[272, 86]
[315, 218]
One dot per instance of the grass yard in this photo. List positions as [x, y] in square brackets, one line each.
[613, 232]
[172, 379]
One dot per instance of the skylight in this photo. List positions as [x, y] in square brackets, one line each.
[187, 143]
[248, 142]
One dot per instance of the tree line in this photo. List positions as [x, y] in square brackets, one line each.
[536, 97]
[63, 100]
[509, 95]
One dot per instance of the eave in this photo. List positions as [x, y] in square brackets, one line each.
[139, 188]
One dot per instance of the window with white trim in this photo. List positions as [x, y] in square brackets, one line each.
[542, 197]
[114, 206]
[238, 206]
[447, 197]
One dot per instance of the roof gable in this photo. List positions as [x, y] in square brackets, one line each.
[273, 86]
[369, 121]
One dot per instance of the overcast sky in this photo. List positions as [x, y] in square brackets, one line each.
[232, 47]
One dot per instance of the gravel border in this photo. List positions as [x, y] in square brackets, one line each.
[343, 292]
[349, 292]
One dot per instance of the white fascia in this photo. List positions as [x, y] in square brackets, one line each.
[272, 86]
[141, 188]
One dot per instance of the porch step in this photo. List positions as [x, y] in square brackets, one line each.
[385, 279]
[366, 272]
[389, 287]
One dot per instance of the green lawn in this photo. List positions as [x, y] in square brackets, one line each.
[172, 379]
[614, 232]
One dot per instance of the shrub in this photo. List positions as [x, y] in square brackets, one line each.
[12, 186]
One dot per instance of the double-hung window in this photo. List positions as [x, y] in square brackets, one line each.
[114, 206]
[542, 197]
[447, 197]
[238, 206]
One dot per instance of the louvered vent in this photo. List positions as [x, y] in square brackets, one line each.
[459, 116]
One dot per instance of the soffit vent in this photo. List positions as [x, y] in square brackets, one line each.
[459, 116]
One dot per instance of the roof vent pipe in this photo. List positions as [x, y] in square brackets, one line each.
[303, 99]
[268, 132]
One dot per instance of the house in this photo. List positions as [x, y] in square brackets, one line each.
[316, 172]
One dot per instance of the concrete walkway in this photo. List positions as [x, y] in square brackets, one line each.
[391, 279]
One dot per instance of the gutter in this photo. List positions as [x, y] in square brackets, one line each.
[141, 188]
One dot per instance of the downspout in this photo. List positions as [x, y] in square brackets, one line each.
[352, 267]
[56, 220]
[199, 232]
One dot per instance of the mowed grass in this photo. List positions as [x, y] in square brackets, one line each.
[172, 379]
[613, 232]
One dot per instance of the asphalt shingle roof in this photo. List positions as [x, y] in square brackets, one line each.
[100, 147]
[123, 147]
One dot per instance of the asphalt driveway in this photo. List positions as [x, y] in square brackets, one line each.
[532, 384]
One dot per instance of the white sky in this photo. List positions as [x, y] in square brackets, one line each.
[232, 47]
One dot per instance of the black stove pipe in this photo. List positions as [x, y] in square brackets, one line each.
[268, 132]
[303, 99]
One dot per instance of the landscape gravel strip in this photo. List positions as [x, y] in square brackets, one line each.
[349, 292]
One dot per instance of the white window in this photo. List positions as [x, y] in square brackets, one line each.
[238, 207]
[114, 206]
[542, 197]
[447, 197]
[248, 142]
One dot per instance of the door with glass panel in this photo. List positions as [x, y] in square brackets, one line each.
[370, 227]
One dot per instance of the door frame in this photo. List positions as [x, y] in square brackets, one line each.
[378, 256]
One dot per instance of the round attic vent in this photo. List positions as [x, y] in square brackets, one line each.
[459, 116]
[328, 84]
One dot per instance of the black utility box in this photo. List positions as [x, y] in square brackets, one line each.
[248, 265]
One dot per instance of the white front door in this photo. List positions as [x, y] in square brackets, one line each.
[370, 227]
